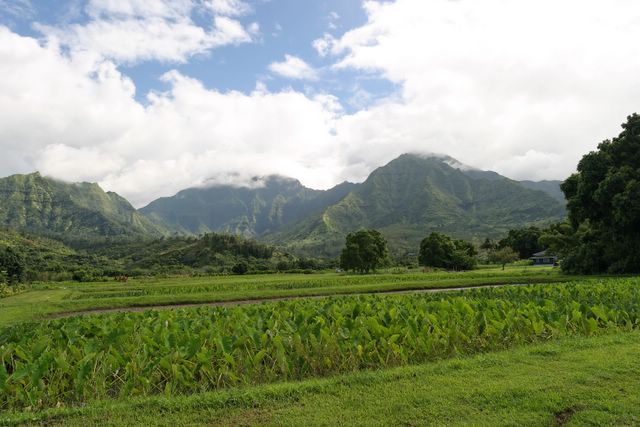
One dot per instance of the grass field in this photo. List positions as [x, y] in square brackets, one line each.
[517, 355]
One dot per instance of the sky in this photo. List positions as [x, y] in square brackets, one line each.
[148, 97]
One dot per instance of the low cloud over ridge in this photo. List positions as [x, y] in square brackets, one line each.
[521, 89]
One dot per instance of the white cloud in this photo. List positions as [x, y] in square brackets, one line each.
[18, 8]
[494, 82]
[70, 121]
[78, 164]
[524, 89]
[294, 68]
[131, 31]
[228, 7]
[324, 45]
[139, 8]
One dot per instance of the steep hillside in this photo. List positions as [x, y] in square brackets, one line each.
[406, 199]
[42, 205]
[49, 259]
[249, 212]
[552, 188]
[414, 195]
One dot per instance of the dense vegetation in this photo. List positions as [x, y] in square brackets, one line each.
[440, 251]
[488, 389]
[414, 195]
[69, 211]
[247, 211]
[603, 200]
[185, 351]
[364, 251]
[28, 257]
[524, 241]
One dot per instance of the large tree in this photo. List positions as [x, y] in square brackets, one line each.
[364, 251]
[12, 264]
[603, 200]
[503, 256]
[441, 251]
[525, 241]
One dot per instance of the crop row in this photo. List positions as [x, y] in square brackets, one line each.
[283, 282]
[184, 351]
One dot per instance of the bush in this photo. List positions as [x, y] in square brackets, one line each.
[240, 268]
[441, 251]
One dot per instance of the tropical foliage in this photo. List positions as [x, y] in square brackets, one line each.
[364, 251]
[192, 350]
[441, 251]
[524, 241]
[603, 200]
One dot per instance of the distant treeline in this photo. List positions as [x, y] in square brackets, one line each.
[26, 257]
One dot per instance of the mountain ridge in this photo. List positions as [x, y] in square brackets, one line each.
[44, 205]
[406, 199]
[412, 196]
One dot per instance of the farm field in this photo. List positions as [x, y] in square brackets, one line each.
[84, 365]
[572, 381]
[46, 299]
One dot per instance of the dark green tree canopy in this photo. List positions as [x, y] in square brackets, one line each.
[524, 241]
[603, 200]
[13, 264]
[441, 251]
[364, 251]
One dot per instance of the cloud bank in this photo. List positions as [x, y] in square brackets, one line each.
[524, 89]
[131, 31]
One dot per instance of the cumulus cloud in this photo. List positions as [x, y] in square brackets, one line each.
[324, 45]
[73, 122]
[523, 89]
[294, 68]
[131, 31]
[539, 82]
[138, 8]
[228, 7]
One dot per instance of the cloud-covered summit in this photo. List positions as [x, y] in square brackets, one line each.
[133, 95]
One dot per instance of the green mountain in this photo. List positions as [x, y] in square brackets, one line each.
[552, 188]
[406, 199]
[249, 212]
[414, 195]
[73, 211]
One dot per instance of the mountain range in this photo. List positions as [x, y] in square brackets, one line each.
[405, 199]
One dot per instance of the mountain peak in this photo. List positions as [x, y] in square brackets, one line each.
[75, 210]
[444, 158]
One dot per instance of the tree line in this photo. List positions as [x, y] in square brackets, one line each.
[600, 235]
[366, 250]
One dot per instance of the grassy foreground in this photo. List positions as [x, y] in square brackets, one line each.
[573, 381]
[46, 299]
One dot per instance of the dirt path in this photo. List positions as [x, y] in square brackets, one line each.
[262, 300]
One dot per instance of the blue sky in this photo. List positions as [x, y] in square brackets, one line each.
[287, 27]
[150, 97]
